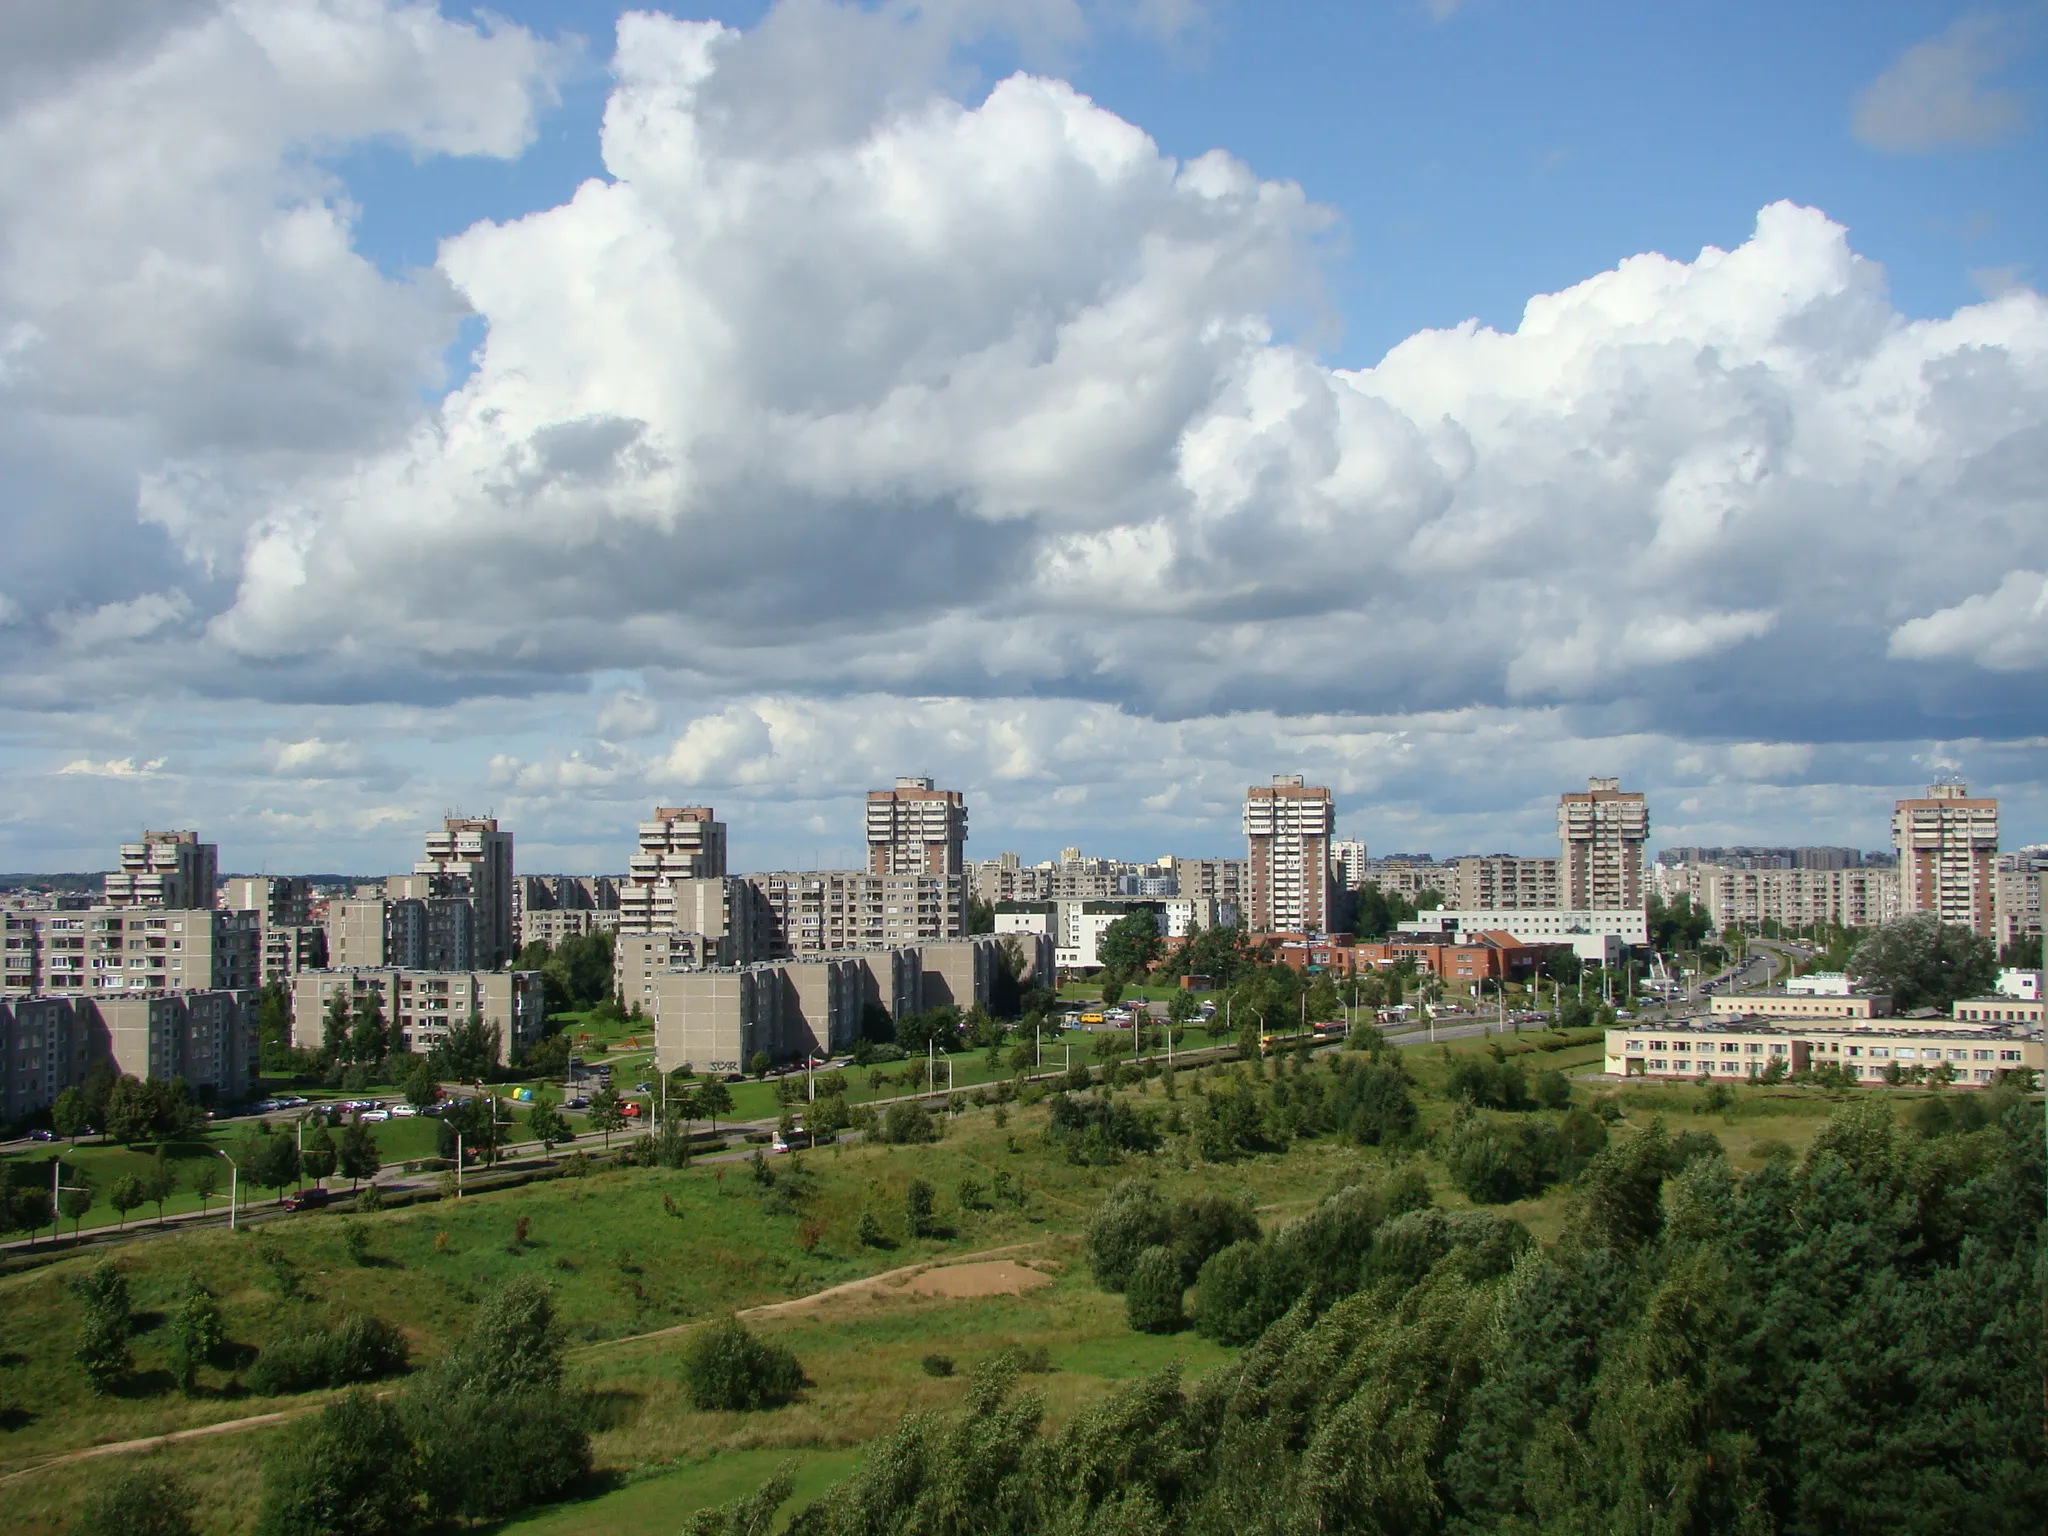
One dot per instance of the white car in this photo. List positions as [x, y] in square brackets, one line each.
[369, 1115]
[403, 1111]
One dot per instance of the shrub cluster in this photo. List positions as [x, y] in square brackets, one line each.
[1098, 1131]
[729, 1370]
[358, 1348]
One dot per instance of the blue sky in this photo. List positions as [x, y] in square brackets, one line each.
[866, 414]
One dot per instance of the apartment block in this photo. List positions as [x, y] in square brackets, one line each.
[681, 843]
[551, 927]
[1223, 881]
[208, 1038]
[1947, 843]
[1348, 858]
[165, 869]
[1409, 877]
[356, 935]
[424, 1004]
[1288, 826]
[47, 1044]
[282, 901]
[470, 857]
[106, 950]
[1603, 834]
[1976, 1054]
[2022, 887]
[959, 972]
[916, 829]
[1803, 1004]
[288, 951]
[1794, 898]
[637, 958]
[1499, 882]
[817, 912]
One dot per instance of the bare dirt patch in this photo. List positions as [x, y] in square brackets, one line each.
[924, 1282]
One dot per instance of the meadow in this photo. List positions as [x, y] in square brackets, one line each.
[637, 1255]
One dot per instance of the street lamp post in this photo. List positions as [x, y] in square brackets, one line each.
[234, 1185]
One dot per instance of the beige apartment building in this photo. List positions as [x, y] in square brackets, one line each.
[1793, 898]
[469, 858]
[2022, 877]
[290, 940]
[165, 869]
[638, 958]
[424, 1004]
[551, 926]
[681, 843]
[108, 950]
[1604, 833]
[1501, 882]
[916, 829]
[48, 1044]
[1975, 1054]
[1799, 1004]
[824, 911]
[1947, 843]
[1288, 826]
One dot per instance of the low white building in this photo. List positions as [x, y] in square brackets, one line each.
[1972, 1055]
[2026, 984]
[1820, 984]
[1596, 937]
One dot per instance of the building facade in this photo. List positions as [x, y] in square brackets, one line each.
[107, 950]
[424, 1004]
[1947, 843]
[470, 857]
[1288, 826]
[1872, 1054]
[1794, 898]
[681, 843]
[165, 869]
[2022, 877]
[916, 829]
[824, 911]
[1499, 882]
[1603, 833]
[1348, 859]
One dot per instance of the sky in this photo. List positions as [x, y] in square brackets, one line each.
[1096, 405]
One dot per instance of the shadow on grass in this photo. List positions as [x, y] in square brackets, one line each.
[140, 1384]
[12, 1419]
[594, 1486]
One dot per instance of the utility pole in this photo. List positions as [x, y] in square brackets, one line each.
[458, 1165]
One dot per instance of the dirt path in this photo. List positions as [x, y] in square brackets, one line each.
[903, 1276]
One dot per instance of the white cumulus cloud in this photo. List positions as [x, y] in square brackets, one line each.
[2005, 630]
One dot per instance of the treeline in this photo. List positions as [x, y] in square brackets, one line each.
[1849, 1342]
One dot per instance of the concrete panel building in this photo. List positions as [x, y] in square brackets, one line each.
[108, 950]
[916, 829]
[1603, 833]
[165, 869]
[470, 857]
[959, 971]
[638, 958]
[715, 1021]
[355, 935]
[553, 926]
[1947, 843]
[208, 1038]
[1499, 882]
[1974, 1055]
[47, 1044]
[1288, 826]
[2022, 877]
[682, 843]
[824, 911]
[282, 901]
[424, 1004]
[1787, 1004]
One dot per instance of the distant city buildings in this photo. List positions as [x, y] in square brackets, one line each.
[2022, 878]
[1288, 827]
[1947, 843]
[469, 859]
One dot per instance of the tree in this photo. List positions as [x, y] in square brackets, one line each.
[160, 1182]
[419, 1086]
[145, 1502]
[917, 1209]
[74, 1202]
[729, 1370]
[197, 1331]
[1132, 1220]
[103, 1329]
[547, 1125]
[369, 1040]
[1129, 945]
[318, 1157]
[358, 1157]
[347, 1473]
[124, 1195]
[335, 1026]
[131, 1110]
[468, 1052]
[274, 1027]
[268, 1161]
[981, 915]
[206, 1182]
[1923, 962]
[712, 1100]
[760, 1063]
[1152, 1299]
[67, 1115]
[607, 1114]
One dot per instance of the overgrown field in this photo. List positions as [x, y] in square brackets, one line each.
[634, 1256]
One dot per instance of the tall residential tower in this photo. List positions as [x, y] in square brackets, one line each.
[1287, 828]
[1603, 832]
[1947, 844]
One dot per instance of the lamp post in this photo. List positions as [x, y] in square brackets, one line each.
[234, 1185]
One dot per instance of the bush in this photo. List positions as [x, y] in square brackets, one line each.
[1406, 1247]
[870, 1231]
[1553, 1090]
[1493, 1163]
[728, 1370]
[937, 1365]
[103, 1332]
[485, 1455]
[347, 1473]
[1130, 1221]
[1372, 1105]
[1152, 1299]
[358, 1348]
[917, 1209]
[1098, 1131]
[1205, 1225]
[1227, 1294]
[908, 1124]
[1486, 1084]
[146, 1502]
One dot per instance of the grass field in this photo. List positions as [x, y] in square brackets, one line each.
[632, 1251]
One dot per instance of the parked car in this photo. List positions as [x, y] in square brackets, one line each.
[374, 1116]
[579, 1102]
[305, 1199]
[41, 1135]
[643, 1087]
[403, 1111]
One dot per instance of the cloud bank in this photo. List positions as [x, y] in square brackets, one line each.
[866, 417]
